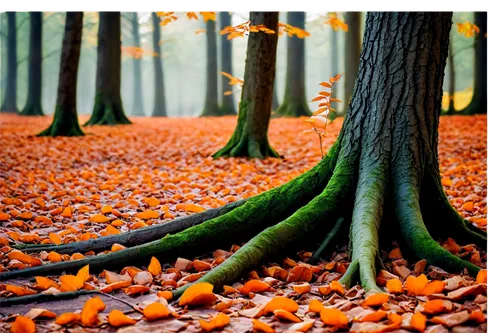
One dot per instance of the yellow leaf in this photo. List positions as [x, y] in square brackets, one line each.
[154, 267]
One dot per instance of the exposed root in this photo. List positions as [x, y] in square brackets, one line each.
[107, 112]
[65, 123]
[39, 298]
[350, 275]
[328, 241]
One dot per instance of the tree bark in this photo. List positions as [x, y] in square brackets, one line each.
[34, 103]
[211, 107]
[160, 107]
[108, 107]
[250, 136]
[352, 51]
[226, 47]
[138, 94]
[65, 122]
[10, 97]
[480, 94]
[294, 103]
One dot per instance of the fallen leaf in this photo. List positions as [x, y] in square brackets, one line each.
[116, 318]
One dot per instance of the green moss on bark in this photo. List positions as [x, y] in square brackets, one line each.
[65, 123]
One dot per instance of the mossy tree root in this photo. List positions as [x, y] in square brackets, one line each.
[293, 109]
[65, 123]
[135, 237]
[244, 145]
[107, 112]
[32, 109]
[263, 210]
[328, 241]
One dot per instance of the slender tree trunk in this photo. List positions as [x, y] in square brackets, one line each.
[250, 136]
[65, 122]
[34, 104]
[160, 107]
[211, 105]
[451, 81]
[226, 48]
[352, 51]
[295, 103]
[276, 103]
[335, 69]
[108, 107]
[10, 97]
[480, 94]
[138, 94]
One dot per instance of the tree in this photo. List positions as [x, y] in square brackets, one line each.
[294, 103]
[138, 109]
[160, 107]
[108, 108]
[480, 94]
[276, 103]
[10, 96]
[65, 122]
[226, 50]
[250, 136]
[211, 107]
[34, 104]
[451, 79]
[352, 51]
[381, 174]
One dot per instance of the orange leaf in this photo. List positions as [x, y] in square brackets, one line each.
[70, 283]
[302, 288]
[54, 257]
[394, 286]
[68, 318]
[317, 98]
[67, 212]
[117, 247]
[90, 310]
[168, 295]
[255, 286]
[19, 291]
[477, 316]
[116, 318]
[23, 325]
[281, 303]
[418, 322]
[152, 202]
[154, 266]
[24, 258]
[83, 273]
[148, 214]
[99, 218]
[482, 276]
[45, 283]
[416, 285]
[468, 206]
[436, 306]
[333, 317]
[300, 273]
[155, 311]
[136, 289]
[286, 315]
[260, 326]
[337, 287]
[198, 294]
[326, 84]
[316, 306]
[115, 286]
[374, 317]
[190, 208]
[375, 300]
[54, 238]
[435, 287]
[219, 321]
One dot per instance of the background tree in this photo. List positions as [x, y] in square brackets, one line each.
[160, 107]
[276, 103]
[65, 122]
[294, 103]
[226, 50]
[451, 79]
[480, 94]
[10, 98]
[34, 103]
[138, 106]
[211, 105]
[250, 136]
[108, 108]
[352, 51]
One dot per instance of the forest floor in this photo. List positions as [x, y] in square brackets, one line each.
[117, 179]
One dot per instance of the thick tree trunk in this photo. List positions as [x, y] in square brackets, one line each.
[250, 136]
[480, 95]
[226, 50]
[108, 107]
[34, 104]
[10, 96]
[352, 51]
[160, 107]
[383, 168]
[294, 103]
[211, 107]
[65, 122]
[451, 80]
[138, 109]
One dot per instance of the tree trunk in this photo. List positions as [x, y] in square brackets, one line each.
[138, 95]
[160, 107]
[226, 49]
[382, 171]
[108, 108]
[10, 97]
[335, 54]
[250, 136]
[65, 122]
[294, 103]
[34, 104]
[451, 83]
[211, 105]
[480, 94]
[352, 51]
[276, 103]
